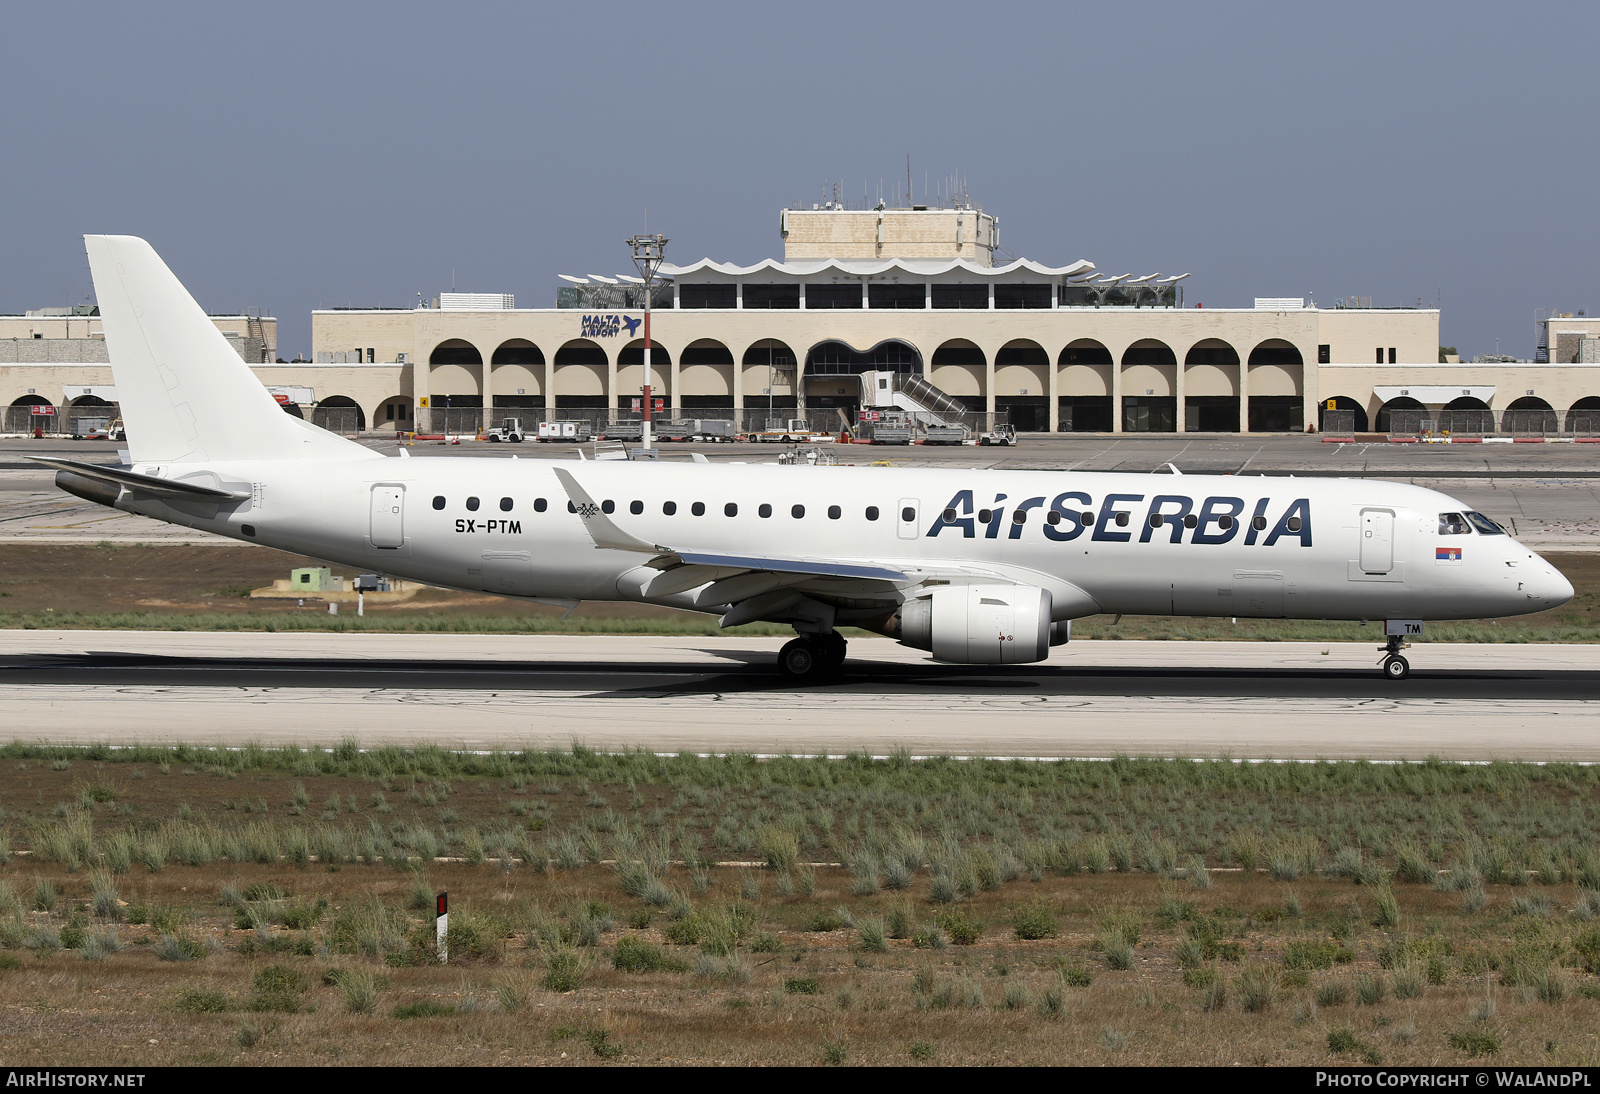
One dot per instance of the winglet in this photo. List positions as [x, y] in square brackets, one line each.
[600, 527]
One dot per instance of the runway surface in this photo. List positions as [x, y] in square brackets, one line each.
[1247, 700]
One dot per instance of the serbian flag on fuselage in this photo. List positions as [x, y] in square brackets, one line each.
[1447, 554]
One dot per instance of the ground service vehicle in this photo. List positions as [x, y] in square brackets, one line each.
[509, 430]
[564, 431]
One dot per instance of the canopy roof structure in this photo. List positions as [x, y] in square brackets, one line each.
[857, 267]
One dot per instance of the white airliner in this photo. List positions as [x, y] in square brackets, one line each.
[977, 566]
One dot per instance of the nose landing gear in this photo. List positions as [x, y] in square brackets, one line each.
[811, 657]
[1395, 667]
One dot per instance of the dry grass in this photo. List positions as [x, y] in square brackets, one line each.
[267, 954]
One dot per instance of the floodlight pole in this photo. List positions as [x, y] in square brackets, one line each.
[649, 251]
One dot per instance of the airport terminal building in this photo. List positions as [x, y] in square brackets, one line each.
[915, 292]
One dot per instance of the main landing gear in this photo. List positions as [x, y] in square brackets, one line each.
[811, 657]
[1395, 667]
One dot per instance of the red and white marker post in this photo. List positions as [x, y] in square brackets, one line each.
[441, 926]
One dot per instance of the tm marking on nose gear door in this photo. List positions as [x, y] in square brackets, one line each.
[1377, 541]
[388, 516]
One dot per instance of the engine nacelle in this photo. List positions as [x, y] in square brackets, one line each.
[979, 624]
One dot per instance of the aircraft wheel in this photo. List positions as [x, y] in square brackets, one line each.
[801, 660]
[1396, 667]
[832, 647]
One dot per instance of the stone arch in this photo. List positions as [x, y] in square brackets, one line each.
[21, 419]
[339, 414]
[395, 412]
[1529, 415]
[1465, 415]
[1274, 387]
[518, 380]
[1344, 414]
[705, 375]
[1211, 387]
[1402, 414]
[580, 368]
[1022, 384]
[1149, 387]
[1583, 416]
[769, 375]
[1084, 387]
[455, 372]
[959, 368]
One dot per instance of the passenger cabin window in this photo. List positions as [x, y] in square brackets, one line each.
[1052, 518]
[438, 501]
[834, 512]
[472, 505]
[1122, 520]
[731, 509]
[985, 516]
[1156, 520]
[1224, 522]
[949, 516]
[608, 506]
[797, 511]
[908, 514]
[1088, 518]
[1484, 525]
[1019, 516]
[764, 510]
[540, 505]
[698, 508]
[571, 508]
[1293, 524]
[1454, 524]
[1259, 522]
[636, 507]
[1190, 521]
[872, 512]
[505, 505]
[669, 507]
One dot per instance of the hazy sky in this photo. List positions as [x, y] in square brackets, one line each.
[290, 156]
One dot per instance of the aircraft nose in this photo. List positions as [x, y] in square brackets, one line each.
[1553, 587]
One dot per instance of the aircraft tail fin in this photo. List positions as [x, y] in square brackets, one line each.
[186, 396]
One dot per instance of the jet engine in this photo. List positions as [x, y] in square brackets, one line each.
[979, 624]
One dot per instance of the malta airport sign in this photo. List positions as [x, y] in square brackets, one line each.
[609, 326]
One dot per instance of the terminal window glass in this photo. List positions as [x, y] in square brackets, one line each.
[1453, 524]
[472, 505]
[1380, 355]
[872, 512]
[540, 505]
[1324, 354]
[707, 296]
[1484, 525]
[1022, 296]
[438, 502]
[1391, 355]
[824, 297]
[895, 296]
[772, 296]
[961, 296]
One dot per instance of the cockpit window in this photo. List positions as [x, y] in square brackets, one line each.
[1453, 524]
[1484, 525]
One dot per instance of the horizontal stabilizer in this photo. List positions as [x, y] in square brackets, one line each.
[145, 484]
